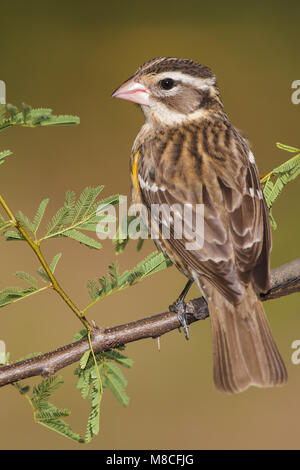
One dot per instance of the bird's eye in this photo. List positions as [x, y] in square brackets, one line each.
[167, 83]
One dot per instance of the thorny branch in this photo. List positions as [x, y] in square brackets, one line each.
[285, 280]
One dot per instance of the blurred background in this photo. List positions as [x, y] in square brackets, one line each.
[70, 56]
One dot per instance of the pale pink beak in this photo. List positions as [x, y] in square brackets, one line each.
[133, 91]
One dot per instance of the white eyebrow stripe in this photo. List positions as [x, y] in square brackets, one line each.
[197, 82]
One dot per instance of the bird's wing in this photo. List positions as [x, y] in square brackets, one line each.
[214, 167]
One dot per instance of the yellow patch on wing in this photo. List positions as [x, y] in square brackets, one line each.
[134, 171]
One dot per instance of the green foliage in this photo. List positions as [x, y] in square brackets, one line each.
[11, 116]
[117, 356]
[24, 221]
[82, 238]
[274, 182]
[3, 155]
[90, 368]
[45, 413]
[42, 273]
[114, 282]
[80, 335]
[39, 215]
[41, 393]
[2, 111]
[13, 235]
[121, 239]
[79, 215]
[12, 294]
[103, 364]
[115, 380]
[27, 278]
[69, 220]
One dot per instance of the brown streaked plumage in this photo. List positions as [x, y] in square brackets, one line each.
[189, 153]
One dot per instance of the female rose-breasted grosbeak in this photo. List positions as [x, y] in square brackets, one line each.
[188, 152]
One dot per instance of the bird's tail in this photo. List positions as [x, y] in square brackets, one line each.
[244, 351]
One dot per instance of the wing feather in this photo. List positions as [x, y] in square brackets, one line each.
[236, 244]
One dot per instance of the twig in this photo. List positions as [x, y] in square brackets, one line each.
[285, 280]
[36, 248]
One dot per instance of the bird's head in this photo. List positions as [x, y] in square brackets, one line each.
[171, 91]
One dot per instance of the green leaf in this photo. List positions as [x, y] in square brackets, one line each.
[80, 335]
[288, 170]
[12, 235]
[62, 428]
[114, 282]
[93, 289]
[115, 355]
[44, 389]
[44, 276]
[275, 181]
[287, 148]
[59, 220]
[140, 244]
[285, 173]
[24, 390]
[88, 383]
[121, 239]
[84, 383]
[24, 221]
[52, 267]
[27, 278]
[272, 220]
[81, 215]
[85, 203]
[83, 361]
[82, 238]
[116, 381]
[92, 224]
[39, 214]
[11, 294]
[3, 155]
[52, 413]
[94, 416]
[2, 111]
[111, 376]
[26, 112]
[54, 262]
[34, 117]
[114, 274]
[13, 110]
[45, 413]
[116, 372]
[63, 120]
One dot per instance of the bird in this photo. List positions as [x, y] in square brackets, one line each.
[188, 154]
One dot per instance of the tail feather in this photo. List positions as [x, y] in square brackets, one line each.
[244, 351]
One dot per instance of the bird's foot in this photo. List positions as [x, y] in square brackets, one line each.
[179, 307]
